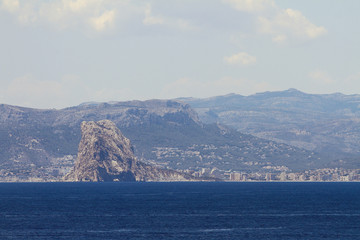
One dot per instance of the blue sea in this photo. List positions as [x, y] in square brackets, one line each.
[180, 211]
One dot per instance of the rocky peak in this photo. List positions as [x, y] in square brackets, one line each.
[106, 155]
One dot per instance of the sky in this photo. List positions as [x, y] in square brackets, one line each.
[60, 53]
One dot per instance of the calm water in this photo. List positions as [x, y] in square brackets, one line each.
[180, 211]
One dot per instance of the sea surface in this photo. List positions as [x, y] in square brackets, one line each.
[180, 211]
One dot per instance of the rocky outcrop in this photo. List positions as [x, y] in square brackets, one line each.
[106, 155]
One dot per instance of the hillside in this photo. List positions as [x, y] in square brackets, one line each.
[42, 144]
[324, 123]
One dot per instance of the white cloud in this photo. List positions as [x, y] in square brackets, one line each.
[175, 23]
[104, 21]
[251, 5]
[281, 24]
[186, 87]
[10, 5]
[280, 38]
[289, 23]
[99, 15]
[77, 5]
[23, 10]
[241, 58]
[321, 77]
[150, 19]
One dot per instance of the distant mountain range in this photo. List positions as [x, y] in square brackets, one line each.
[42, 144]
[325, 123]
[272, 131]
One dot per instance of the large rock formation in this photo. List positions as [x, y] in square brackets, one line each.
[106, 155]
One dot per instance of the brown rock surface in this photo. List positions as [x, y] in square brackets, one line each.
[106, 155]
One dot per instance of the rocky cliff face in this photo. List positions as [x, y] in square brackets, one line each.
[106, 155]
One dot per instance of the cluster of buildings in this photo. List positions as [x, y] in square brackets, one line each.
[59, 167]
[318, 175]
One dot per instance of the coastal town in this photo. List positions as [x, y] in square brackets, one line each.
[59, 167]
[317, 175]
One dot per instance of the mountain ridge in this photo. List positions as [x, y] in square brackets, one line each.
[165, 133]
[42, 143]
[319, 122]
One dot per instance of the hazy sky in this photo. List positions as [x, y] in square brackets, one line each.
[60, 53]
